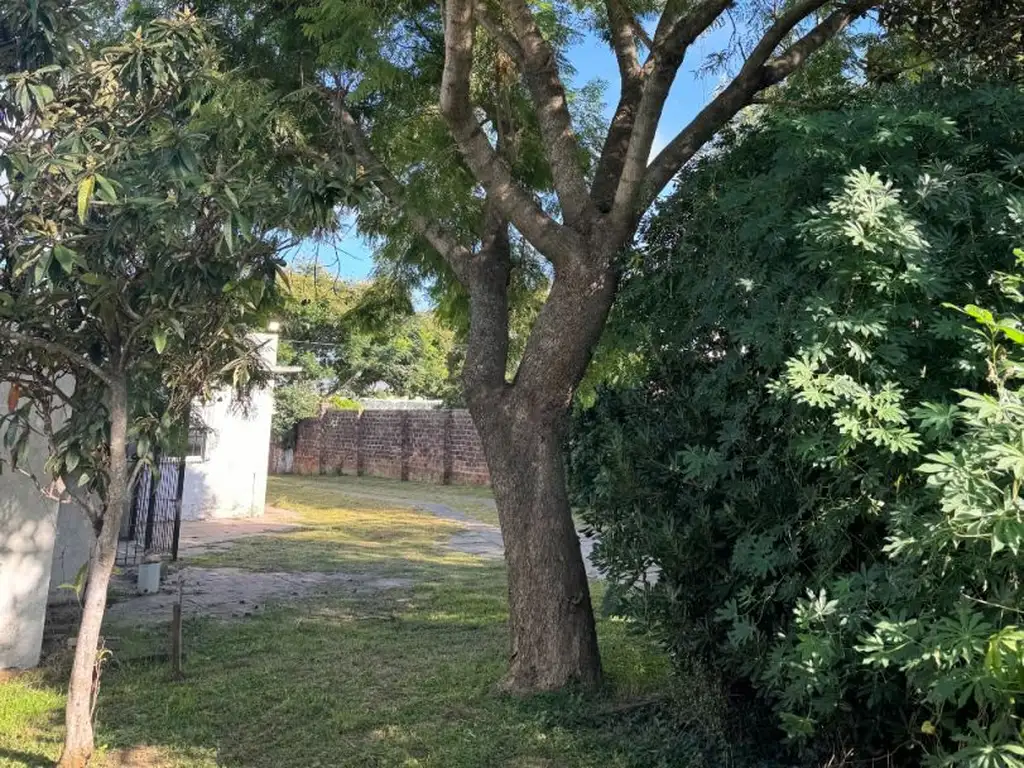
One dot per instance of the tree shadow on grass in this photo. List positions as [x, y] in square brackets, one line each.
[399, 678]
[13, 757]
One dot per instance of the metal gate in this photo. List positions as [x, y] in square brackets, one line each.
[153, 523]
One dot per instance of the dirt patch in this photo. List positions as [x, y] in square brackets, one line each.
[200, 536]
[226, 593]
[137, 757]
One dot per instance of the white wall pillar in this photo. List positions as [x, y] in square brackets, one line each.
[28, 523]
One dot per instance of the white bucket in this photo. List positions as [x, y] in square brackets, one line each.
[149, 578]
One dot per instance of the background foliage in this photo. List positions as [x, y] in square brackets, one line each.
[799, 435]
[357, 339]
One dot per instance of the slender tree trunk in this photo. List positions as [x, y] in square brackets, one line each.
[551, 620]
[78, 739]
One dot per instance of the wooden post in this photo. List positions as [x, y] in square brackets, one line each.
[176, 668]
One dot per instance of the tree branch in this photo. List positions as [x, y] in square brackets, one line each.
[758, 72]
[53, 347]
[631, 133]
[92, 511]
[623, 28]
[487, 345]
[451, 250]
[552, 108]
[777, 32]
[502, 36]
[556, 242]
[564, 336]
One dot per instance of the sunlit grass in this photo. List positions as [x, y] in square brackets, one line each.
[344, 533]
[473, 500]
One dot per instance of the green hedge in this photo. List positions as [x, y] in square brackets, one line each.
[818, 452]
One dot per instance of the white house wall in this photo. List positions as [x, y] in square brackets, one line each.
[71, 550]
[230, 480]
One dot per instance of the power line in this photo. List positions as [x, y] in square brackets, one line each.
[313, 343]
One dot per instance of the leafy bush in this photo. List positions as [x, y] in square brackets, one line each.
[342, 403]
[293, 403]
[778, 364]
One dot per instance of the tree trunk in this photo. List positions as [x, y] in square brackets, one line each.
[78, 739]
[523, 426]
[551, 620]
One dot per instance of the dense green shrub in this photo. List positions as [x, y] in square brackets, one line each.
[779, 365]
[342, 403]
[293, 402]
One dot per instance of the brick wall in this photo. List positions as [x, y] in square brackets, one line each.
[429, 446]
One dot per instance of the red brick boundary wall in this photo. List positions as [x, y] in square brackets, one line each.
[430, 446]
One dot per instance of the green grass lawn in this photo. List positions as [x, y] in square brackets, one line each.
[472, 499]
[401, 677]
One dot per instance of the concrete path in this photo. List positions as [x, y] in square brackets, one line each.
[485, 540]
[225, 593]
[233, 593]
[199, 536]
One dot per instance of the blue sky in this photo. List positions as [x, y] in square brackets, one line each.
[352, 257]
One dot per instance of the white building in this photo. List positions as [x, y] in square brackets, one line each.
[226, 475]
[43, 543]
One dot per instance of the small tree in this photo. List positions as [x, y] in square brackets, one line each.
[136, 252]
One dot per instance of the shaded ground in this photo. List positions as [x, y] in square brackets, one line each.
[387, 656]
[225, 593]
[200, 535]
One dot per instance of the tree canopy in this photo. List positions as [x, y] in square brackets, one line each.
[983, 37]
[357, 339]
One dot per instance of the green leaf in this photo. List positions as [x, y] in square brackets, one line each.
[983, 316]
[160, 340]
[43, 94]
[85, 189]
[43, 267]
[109, 194]
[65, 257]
[229, 233]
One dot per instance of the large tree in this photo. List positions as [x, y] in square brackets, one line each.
[485, 164]
[578, 213]
[138, 246]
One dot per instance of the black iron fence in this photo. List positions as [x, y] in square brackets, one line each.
[153, 523]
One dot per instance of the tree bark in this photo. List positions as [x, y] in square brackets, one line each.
[551, 620]
[522, 426]
[78, 738]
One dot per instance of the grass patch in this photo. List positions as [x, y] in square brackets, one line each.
[475, 501]
[400, 678]
[344, 533]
